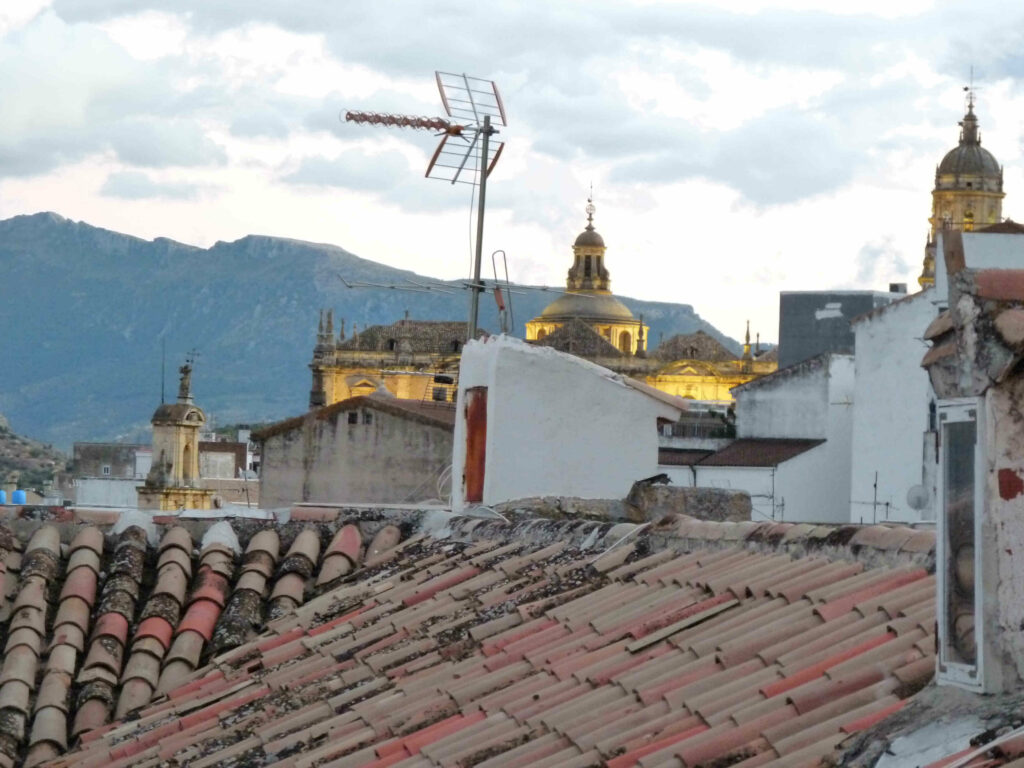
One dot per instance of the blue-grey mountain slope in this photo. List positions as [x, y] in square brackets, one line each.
[84, 310]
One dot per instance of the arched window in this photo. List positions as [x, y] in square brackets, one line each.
[392, 344]
[186, 462]
[625, 342]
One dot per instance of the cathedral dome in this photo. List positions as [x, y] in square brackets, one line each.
[587, 306]
[969, 158]
[590, 237]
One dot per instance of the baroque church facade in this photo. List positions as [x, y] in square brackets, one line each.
[419, 360]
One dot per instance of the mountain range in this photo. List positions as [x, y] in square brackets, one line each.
[87, 314]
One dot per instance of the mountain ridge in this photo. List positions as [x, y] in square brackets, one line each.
[89, 308]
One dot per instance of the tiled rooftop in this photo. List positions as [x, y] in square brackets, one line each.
[759, 452]
[684, 644]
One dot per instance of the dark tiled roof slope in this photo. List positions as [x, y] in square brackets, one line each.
[425, 652]
[759, 452]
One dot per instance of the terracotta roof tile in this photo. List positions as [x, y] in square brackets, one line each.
[424, 652]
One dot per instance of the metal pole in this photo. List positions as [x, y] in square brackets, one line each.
[475, 290]
[874, 502]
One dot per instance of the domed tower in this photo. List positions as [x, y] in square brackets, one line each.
[173, 481]
[588, 298]
[968, 189]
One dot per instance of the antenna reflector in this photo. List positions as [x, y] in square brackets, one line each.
[467, 98]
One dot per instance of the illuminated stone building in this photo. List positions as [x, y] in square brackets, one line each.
[588, 298]
[173, 481]
[411, 359]
[697, 366]
[968, 190]
[419, 360]
[589, 322]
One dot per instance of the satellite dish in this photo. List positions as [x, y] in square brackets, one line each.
[918, 497]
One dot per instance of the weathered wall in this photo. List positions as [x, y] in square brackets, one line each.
[106, 492]
[982, 250]
[556, 425]
[90, 458]
[390, 459]
[1003, 530]
[791, 403]
[890, 412]
[702, 503]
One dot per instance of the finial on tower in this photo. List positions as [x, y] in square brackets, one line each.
[590, 208]
[185, 382]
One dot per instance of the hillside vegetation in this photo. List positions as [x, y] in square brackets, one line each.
[86, 311]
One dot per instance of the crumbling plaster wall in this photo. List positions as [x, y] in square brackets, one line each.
[390, 459]
[1003, 527]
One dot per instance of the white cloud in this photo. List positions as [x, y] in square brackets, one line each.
[132, 185]
[735, 150]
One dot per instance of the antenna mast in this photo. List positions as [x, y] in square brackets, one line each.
[163, 365]
[475, 107]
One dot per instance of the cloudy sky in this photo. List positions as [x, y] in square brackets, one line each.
[735, 149]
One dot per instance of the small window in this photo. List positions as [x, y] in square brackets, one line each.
[367, 417]
[353, 417]
[392, 345]
[455, 345]
[106, 469]
[440, 394]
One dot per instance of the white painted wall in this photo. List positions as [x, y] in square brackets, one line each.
[890, 412]
[107, 491]
[557, 425]
[806, 487]
[799, 490]
[812, 400]
[792, 402]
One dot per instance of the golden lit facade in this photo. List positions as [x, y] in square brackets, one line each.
[588, 298]
[700, 368]
[700, 380]
[411, 359]
[968, 190]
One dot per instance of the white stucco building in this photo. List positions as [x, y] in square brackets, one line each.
[792, 452]
[532, 421]
[892, 476]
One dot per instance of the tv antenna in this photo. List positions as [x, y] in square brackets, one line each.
[475, 107]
